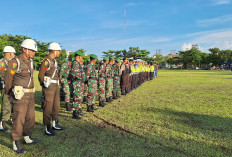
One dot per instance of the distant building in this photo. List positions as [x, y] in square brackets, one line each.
[187, 47]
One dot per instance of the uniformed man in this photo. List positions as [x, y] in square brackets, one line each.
[78, 79]
[131, 74]
[85, 85]
[136, 73]
[102, 81]
[92, 78]
[152, 69]
[124, 70]
[116, 78]
[49, 80]
[109, 80]
[19, 84]
[9, 53]
[65, 82]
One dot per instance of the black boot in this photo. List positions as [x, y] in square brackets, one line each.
[56, 126]
[115, 96]
[93, 107]
[89, 108]
[101, 103]
[49, 131]
[79, 112]
[3, 126]
[84, 99]
[30, 140]
[76, 115]
[68, 108]
[108, 99]
[123, 93]
[18, 148]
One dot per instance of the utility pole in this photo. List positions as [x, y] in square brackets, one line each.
[124, 23]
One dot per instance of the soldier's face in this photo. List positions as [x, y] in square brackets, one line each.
[57, 53]
[31, 53]
[107, 62]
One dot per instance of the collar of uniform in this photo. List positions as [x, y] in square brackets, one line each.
[25, 60]
[50, 58]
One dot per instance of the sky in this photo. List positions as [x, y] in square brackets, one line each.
[98, 25]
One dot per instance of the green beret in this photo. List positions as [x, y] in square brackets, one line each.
[118, 60]
[112, 58]
[93, 56]
[106, 59]
[79, 53]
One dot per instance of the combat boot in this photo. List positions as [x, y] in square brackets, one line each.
[93, 107]
[18, 148]
[56, 126]
[101, 103]
[68, 108]
[3, 126]
[89, 108]
[30, 140]
[49, 131]
[76, 115]
[79, 112]
[108, 99]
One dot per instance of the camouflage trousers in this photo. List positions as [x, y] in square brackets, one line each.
[66, 90]
[116, 84]
[109, 87]
[92, 92]
[102, 88]
[85, 89]
[78, 94]
[6, 107]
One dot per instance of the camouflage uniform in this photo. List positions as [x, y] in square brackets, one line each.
[102, 82]
[77, 74]
[109, 81]
[64, 77]
[6, 106]
[116, 80]
[85, 84]
[92, 77]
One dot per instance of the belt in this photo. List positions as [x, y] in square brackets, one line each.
[55, 81]
[27, 90]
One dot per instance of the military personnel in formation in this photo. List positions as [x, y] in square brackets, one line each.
[49, 80]
[9, 53]
[125, 71]
[65, 82]
[78, 79]
[102, 81]
[116, 78]
[152, 69]
[19, 84]
[109, 80]
[131, 74]
[136, 74]
[92, 80]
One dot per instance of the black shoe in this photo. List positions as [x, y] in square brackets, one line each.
[55, 125]
[89, 108]
[108, 100]
[3, 126]
[123, 93]
[101, 103]
[18, 148]
[30, 140]
[79, 112]
[68, 108]
[76, 115]
[93, 107]
[84, 99]
[49, 131]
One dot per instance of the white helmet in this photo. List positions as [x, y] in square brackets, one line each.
[54, 46]
[9, 49]
[29, 44]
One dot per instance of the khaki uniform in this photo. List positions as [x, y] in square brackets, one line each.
[52, 93]
[24, 109]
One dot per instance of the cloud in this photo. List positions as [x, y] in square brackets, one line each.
[159, 40]
[221, 2]
[215, 21]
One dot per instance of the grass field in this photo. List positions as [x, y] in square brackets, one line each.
[181, 113]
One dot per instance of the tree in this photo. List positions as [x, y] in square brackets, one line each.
[158, 58]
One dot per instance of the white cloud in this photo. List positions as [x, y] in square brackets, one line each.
[215, 21]
[159, 40]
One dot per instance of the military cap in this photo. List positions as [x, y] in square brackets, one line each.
[79, 53]
[118, 60]
[106, 59]
[93, 56]
[112, 58]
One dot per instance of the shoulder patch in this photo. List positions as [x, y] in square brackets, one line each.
[2, 64]
[46, 63]
[2, 68]
[14, 65]
[12, 72]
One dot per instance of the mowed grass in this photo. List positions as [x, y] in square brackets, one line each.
[180, 113]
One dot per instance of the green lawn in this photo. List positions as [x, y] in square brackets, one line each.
[181, 113]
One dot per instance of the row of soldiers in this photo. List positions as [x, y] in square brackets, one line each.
[17, 87]
[85, 81]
